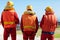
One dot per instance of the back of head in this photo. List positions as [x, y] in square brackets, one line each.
[49, 10]
[10, 3]
[29, 10]
[29, 7]
[9, 6]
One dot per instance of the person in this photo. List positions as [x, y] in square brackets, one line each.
[29, 24]
[48, 24]
[9, 20]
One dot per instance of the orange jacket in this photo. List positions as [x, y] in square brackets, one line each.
[9, 19]
[48, 23]
[29, 22]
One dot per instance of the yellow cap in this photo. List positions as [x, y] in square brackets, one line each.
[29, 7]
[9, 6]
[49, 9]
[10, 3]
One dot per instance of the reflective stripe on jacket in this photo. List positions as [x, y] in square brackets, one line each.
[29, 28]
[9, 19]
[29, 22]
[9, 23]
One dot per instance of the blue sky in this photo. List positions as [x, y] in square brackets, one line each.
[38, 6]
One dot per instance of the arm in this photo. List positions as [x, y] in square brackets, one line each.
[21, 25]
[16, 18]
[36, 24]
[42, 21]
[56, 21]
[56, 24]
[2, 20]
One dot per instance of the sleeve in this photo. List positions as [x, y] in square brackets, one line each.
[36, 24]
[16, 18]
[21, 25]
[42, 21]
[2, 20]
[56, 22]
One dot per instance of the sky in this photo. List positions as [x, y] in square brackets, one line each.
[38, 7]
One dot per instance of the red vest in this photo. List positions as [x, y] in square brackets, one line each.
[49, 23]
[29, 22]
[8, 19]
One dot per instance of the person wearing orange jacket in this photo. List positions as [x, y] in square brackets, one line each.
[9, 20]
[29, 24]
[48, 24]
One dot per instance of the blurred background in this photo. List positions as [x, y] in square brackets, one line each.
[38, 7]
